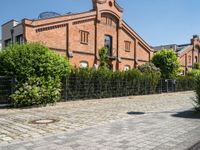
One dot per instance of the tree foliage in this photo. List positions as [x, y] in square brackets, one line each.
[103, 55]
[168, 63]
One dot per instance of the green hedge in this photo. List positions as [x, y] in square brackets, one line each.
[89, 84]
[185, 83]
[85, 84]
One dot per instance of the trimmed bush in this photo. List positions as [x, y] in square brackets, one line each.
[87, 83]
[38, 71]
[185, 83]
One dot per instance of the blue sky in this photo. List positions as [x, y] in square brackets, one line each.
[156, 21]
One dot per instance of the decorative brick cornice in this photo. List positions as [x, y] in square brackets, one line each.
[83, 21]
[51, 27]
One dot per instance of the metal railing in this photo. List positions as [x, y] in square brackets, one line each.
[75, 88]
[78, 88]
[6, 89]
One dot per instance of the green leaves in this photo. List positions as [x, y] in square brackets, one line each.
[103, 54]
[168, 63]
[32, 59]
[37, 91]
[38, 70]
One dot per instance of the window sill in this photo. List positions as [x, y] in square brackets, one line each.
[127, 50]
[84, 43]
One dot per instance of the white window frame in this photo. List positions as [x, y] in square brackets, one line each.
[83, 64]
[127, 67]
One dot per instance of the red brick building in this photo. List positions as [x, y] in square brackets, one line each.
[188, 54]
[80, 36]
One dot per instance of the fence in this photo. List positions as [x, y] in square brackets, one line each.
[79, 88]
[6, 88]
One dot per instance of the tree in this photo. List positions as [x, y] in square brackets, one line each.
[103, 54]
[168, 63]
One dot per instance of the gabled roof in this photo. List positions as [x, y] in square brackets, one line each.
[179, 49]
[184, 50]
[136, 36]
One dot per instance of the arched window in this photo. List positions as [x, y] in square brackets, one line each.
[84, 64]
[127, 67]
[108, 44]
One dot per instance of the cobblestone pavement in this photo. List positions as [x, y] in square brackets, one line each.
[105, 124]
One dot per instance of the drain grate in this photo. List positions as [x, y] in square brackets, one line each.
[135, 113]
[44, 121]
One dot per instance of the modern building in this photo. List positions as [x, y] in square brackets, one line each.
[188, 54]
[80, 36]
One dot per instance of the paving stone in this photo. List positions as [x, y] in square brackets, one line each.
[104, 124]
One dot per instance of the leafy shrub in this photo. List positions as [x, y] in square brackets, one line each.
[196, 65]
[37, 91]
[149, 68]
[194, 72]
[168, 63]
[32, 59]
[38, 71]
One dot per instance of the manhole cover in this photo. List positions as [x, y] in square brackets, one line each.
[43, 121]
[135, 113]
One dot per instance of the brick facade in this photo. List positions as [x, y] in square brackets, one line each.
[65, 34]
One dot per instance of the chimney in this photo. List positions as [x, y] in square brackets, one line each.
[195, 39]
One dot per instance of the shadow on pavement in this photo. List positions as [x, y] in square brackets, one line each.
[190, 114]
[195, 147]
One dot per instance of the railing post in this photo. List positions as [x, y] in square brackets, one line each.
[65, 88]
[13, 82]
[174, 83]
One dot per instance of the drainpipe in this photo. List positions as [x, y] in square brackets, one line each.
[12, 36]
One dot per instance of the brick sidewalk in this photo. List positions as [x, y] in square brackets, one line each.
[104, 124]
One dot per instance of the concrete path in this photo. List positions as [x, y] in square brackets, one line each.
[165, 122]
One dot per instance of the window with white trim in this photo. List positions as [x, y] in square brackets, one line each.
[84, 64]
[127, 67]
